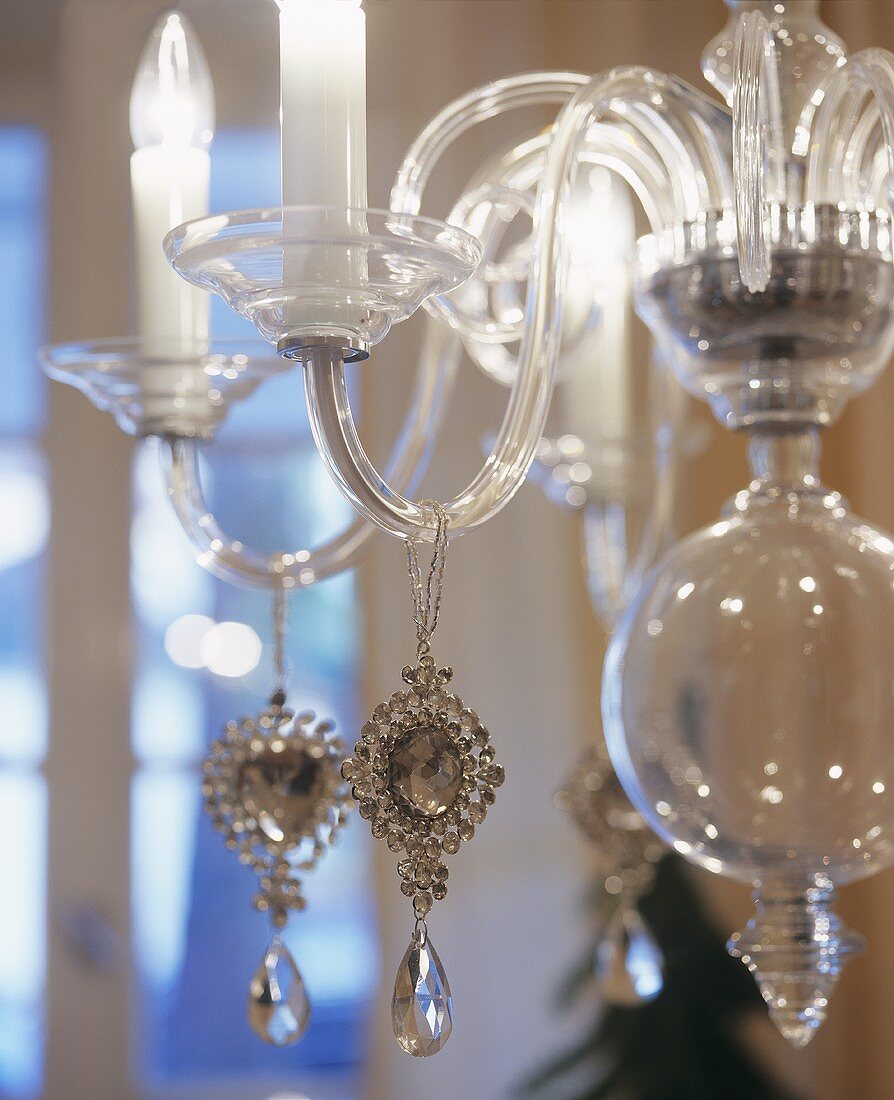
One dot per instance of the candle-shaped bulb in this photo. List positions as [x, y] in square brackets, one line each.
[597, 398]
[322, 56]
[172, 101]
[172, 124]
[323, 105]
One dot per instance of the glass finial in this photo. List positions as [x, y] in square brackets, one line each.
[796, 947]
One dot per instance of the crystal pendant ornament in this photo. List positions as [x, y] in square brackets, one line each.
[628, 963]
[796, 946]
[425, 775]
[273, 789]
[626, 849]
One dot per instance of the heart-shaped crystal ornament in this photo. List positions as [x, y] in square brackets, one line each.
[273, 788]
[283, 787]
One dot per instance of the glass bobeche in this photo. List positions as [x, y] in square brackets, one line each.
[311, 276]
[164, 387]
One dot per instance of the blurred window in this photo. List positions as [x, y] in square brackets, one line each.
[24, 528]
[197, 939]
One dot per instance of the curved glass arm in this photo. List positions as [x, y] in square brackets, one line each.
[228, 558]
[758, 151]
[653, 118]
[524, 90]
[231, 560]
[843, 154]
[490, 304]
[632, 94]
[480, 104]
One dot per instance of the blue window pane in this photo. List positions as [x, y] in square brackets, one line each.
[23, 717]
[22, 944]
[197, 938]
[23, 494]
[22, 189]
[232, 188]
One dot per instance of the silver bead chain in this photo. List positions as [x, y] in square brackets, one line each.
[280, 623]
[427, 594]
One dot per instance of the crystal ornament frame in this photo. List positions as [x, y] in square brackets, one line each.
[424, 834]
[421, 758]
[626, 848]
[424, 775]
[628, 963]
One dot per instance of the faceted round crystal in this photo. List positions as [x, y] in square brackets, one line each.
[425, 769]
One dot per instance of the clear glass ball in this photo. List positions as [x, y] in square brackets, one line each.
[748, 697]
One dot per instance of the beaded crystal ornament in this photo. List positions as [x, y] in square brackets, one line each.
[628, 963]
[273, 789]
[424, 774]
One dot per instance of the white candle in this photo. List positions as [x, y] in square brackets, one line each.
[596, 398]
[172, 125]
[322, 51]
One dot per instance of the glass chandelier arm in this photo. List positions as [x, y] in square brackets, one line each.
[665, 112]
[867, 162]
[612, 145]
[232, 561]
[536, 89]
[841, 157]
[661, 135]
[652, 128]
[524, 90]
[503, 472]
[225, 557]
[336, 435]
[879, 178]
[758, 149]
[505, 185]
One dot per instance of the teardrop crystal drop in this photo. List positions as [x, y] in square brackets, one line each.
[422, 1006]
[278, 1007]
[796, 947]
[629, 964]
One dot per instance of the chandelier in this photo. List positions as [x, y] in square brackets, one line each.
[748, 701]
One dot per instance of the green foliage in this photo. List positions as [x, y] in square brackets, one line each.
[683, 1045]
